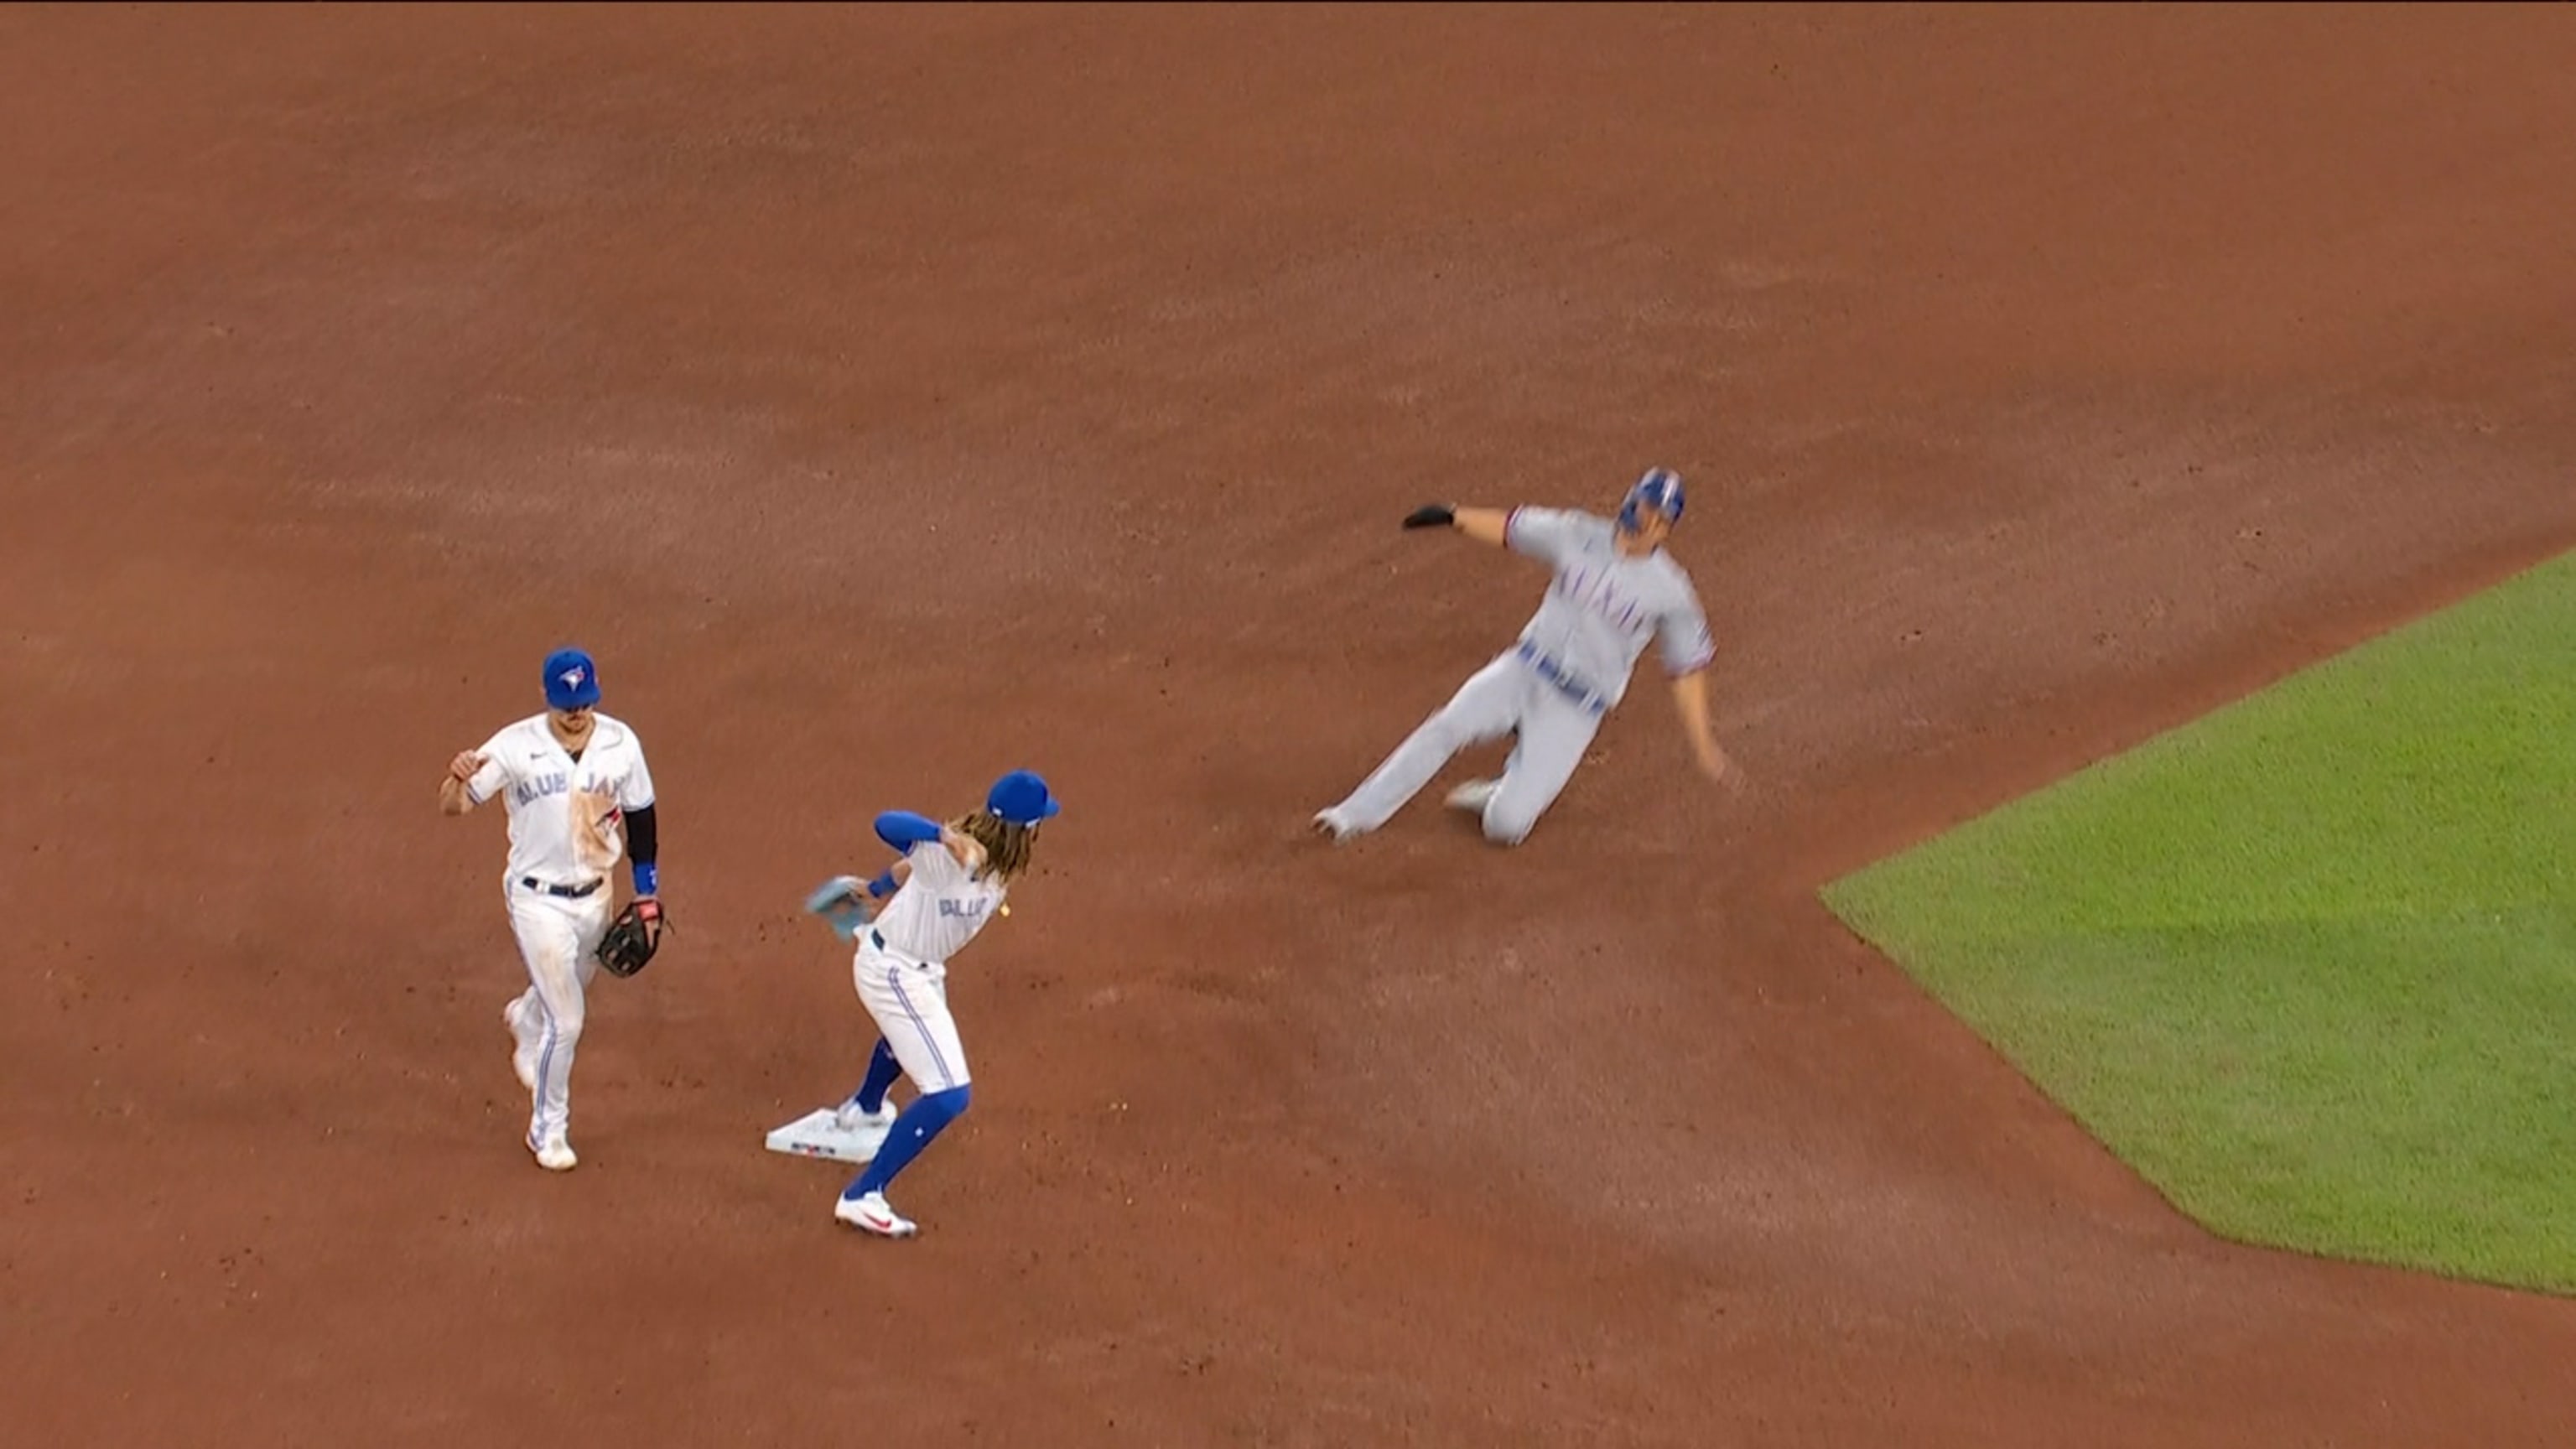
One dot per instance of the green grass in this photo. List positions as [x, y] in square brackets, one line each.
[2309, 963]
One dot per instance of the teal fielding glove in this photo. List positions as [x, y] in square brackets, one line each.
[842, 902]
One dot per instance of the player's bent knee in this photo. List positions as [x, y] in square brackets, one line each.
[1508, 827]
[938, 1109]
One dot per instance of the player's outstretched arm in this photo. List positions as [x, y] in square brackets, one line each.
[1485, 525]
[1690, 694]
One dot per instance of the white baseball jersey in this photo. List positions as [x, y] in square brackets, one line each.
[567, 817]
[1603, 605]
[940, 907]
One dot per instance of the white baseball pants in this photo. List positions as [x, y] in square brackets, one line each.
[1507, 696]
[556, 939]
[909, 1000]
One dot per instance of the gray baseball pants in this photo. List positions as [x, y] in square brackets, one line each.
[1508, 696]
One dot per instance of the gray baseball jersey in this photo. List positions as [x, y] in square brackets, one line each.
[1603, 606]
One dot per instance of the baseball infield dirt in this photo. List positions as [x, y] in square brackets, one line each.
[892, 396]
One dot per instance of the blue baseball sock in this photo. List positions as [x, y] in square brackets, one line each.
[882, 1070]
[925, 1119]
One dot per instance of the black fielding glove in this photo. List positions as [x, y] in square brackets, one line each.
[1431, 515]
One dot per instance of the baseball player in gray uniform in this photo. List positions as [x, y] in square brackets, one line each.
[1615, 590]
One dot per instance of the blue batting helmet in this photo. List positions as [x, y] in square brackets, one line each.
[1659, 491]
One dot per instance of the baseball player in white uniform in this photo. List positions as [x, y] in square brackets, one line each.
[1615, 589]
[950, 883]
[580, 798]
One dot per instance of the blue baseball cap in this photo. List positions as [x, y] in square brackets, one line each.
[571, 680]
[1021, 798]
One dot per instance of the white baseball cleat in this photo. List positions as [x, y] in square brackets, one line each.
[1329, 823]
[554, 1154]
[872, 1214]
[849, 1118]
[1474, 796]
[523, 1057]
[867, 1131]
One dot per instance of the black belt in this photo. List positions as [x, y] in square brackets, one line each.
[879, 938]
[569, 893]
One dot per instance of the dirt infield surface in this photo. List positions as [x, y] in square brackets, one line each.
[892, 396]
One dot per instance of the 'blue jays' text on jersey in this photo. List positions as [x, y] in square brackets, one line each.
[940, 907]
[567, 816]
[1603, 606]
